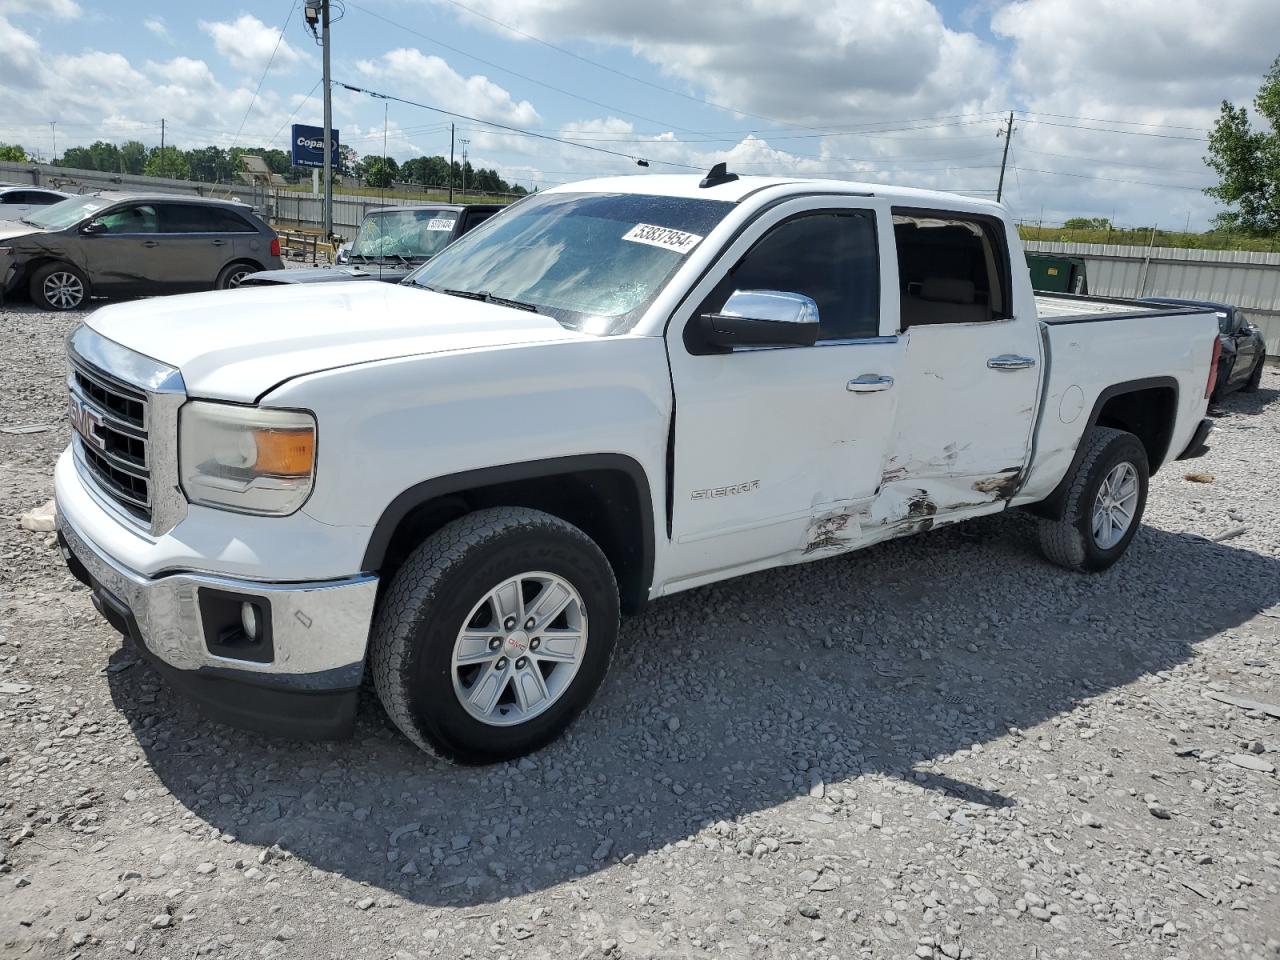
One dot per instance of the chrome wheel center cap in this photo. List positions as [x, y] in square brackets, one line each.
[517, 643]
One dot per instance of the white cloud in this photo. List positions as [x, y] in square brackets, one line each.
[58, 9]
[157, 26]
[414, 75]
[248, 43]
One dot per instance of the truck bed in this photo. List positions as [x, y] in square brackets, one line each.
[1060, 308]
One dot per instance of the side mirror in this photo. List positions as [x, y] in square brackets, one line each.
[762, 318]
[94, 226]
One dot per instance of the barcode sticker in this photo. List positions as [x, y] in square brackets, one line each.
[440, 223]
[664, 237]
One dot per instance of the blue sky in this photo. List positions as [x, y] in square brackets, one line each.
[1114, 97]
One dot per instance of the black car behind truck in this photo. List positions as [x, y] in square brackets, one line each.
[391, 243]
[1244, 350]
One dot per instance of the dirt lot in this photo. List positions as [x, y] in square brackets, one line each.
[940, 747]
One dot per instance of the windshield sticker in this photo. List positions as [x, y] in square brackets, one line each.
[664, 237]
[440, 223]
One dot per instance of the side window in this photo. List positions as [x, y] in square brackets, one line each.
[951, 268]
[137, 218]
[199, 218]
[830, 257]
[43, 199]
[14, 196]
[475, 218]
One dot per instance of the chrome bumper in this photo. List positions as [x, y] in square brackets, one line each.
[319, 630]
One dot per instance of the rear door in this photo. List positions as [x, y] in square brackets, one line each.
[199, 240]
[970, 368]
[777, 450]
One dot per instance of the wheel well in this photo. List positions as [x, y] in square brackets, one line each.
[242, 260]
[611, 506]
[1148, 414]
[28, 270]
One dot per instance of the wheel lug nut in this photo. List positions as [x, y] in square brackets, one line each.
[509, 623]
[501, 664]
[495, 643]
[520, 664]
[535, 643]
[528, 624]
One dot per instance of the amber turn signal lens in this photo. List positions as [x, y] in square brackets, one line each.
[285, 453]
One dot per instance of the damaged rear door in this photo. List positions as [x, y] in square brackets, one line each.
[777, 449]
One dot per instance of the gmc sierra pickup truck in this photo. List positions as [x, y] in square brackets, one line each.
[614, 391]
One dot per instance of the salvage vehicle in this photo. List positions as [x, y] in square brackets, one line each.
[391, 243]
[16, 200]
[1244, 349]
[132, 244]
[617, 390]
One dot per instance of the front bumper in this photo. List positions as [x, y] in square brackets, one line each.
[303, 684]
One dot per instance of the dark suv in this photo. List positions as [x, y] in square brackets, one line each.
[391, 243]
[1244, 350]
[115, 244]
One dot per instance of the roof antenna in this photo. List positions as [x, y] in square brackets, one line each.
[717, 175]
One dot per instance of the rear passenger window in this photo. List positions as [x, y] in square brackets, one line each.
[475, 218]
[829, 257]
[197, 218]
[951, 268]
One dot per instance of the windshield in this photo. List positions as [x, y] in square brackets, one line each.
[593, 261]
[404, 233]
[67, 212]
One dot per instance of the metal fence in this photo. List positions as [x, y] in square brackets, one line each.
[1246, 279]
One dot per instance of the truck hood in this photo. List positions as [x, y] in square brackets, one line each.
[238, 344]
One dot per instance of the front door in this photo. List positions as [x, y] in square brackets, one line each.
[972, 368]
[778, 449]
[120, 257]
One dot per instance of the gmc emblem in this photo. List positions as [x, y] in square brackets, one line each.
[85, 422]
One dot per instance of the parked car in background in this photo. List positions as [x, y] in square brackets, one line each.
[16, 201]
[120, 244]
[391, 243]
[1244, 351]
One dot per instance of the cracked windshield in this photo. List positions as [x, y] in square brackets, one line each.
[404, 234]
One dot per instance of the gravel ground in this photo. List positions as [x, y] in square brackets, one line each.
[939, 747]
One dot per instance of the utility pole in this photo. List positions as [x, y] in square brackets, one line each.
[328, 121]
[1007, 133]
[162, 139]
[451, 126]
[53, 125]
[464, 170]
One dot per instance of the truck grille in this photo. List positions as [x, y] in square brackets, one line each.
[109, 421]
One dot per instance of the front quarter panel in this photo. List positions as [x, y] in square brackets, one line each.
[387, 426]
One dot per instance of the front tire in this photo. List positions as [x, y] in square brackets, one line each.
[59, 286]
[1255, 376]
[494, 635]
[1106, 495]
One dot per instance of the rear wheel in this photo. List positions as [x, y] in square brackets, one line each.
[59, 286]
[1106, 496]
[233, 275]
[1255, 377]
[494, 634]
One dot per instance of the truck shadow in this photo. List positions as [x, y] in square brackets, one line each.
[718, 705]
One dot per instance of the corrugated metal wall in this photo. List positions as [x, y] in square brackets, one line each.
[1246, 279]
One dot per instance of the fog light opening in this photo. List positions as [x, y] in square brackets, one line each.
[249, 620]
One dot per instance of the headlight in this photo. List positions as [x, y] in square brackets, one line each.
[247, 459]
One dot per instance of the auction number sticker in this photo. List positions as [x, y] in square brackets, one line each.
[440, 223]
[664, 237]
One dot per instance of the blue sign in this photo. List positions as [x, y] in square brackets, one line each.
[308, 146]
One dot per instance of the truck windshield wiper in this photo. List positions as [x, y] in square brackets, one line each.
[486, 297]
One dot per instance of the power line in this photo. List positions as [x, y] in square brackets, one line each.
[1123, 123]
[502, 126]
[270, 60]
[305, 101]
[1113, 163]
[1086, 176]
[1130, 133]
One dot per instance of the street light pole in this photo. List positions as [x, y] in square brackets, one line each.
[328, 121]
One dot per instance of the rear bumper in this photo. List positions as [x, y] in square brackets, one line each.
[301, 680]
[1198, 446]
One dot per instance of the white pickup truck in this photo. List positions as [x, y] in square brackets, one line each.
[610, 392]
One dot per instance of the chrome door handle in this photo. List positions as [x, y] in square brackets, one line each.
[151, 243]
[1010, 361]
[219, 243]
[869, 383]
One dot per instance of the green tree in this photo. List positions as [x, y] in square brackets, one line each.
[380, 172]
[13, 153]
[1088, 223]
[133, 157]
[1247, 161]
[169, 162]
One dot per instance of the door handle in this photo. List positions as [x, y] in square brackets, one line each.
[1010, 361]
[219, 243]
[869, 383]
[151, 243]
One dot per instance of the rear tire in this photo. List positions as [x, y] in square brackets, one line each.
[1255, 377]
[1106, 495]
[232, 275]
[59, 286]
[466, 657]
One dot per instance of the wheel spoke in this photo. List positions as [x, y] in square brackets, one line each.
[1099, 522]
[562, 646]
[474, 647]
[484, 693]
[550, 603]
[507, 601]
[530, 688]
